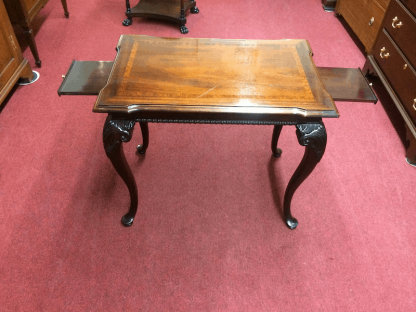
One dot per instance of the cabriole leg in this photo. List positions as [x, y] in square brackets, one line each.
[313, 137]
[116, 132]
[276, 133]
[141, 148]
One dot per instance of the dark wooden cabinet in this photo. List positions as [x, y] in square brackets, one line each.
[22, 13]
[364, 17]
[410, 5]
[12, 64]
[393, 60]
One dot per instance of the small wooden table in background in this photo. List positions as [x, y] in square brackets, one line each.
[169, 10]
[215, 81]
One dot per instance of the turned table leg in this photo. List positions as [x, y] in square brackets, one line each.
[65, 8]
[182, 27]
[128, 21]
[116, 132]
[30, 38]
[313, 137]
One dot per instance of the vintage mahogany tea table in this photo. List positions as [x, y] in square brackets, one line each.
[215, 81]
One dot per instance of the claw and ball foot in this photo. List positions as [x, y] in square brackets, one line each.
[127, 22]
[194, 10]
[183, 29]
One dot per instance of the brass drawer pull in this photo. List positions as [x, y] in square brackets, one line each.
[405, 66]
[414, 104]
[385, 55]
[395, 24]
[371, 21]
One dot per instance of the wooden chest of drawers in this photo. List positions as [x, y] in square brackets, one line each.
[12, 64]
[21, 14]
[393, 59]
[364, 17]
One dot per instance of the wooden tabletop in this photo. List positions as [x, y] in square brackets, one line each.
[262, 77]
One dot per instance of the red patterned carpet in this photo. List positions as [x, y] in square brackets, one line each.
[209, 234]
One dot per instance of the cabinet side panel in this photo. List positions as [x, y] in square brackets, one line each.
[15, 10]
[10, 54]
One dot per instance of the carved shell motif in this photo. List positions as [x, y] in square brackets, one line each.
[313, 136]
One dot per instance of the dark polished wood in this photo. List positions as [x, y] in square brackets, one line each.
[116, 132]
[12, 64]
[400, 24]
[207, 77]
[85, 78]
[22, 13]
[141, 148]
[393, 61]
[400, 79]
[410, 5]
[313, 137]
[214, 81]
[343, 84]
[277, 129]
[170, 10]
[346, 84]
[183, 80]
[364, 18]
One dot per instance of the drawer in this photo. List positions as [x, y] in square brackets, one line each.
[85, 78]
[411, 5]
[401, 25]
[346, 84]
[398, 71]
[364, 17]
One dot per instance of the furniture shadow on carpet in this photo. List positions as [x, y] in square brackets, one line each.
[276, 184]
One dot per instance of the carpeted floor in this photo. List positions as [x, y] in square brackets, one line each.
[209, 234]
